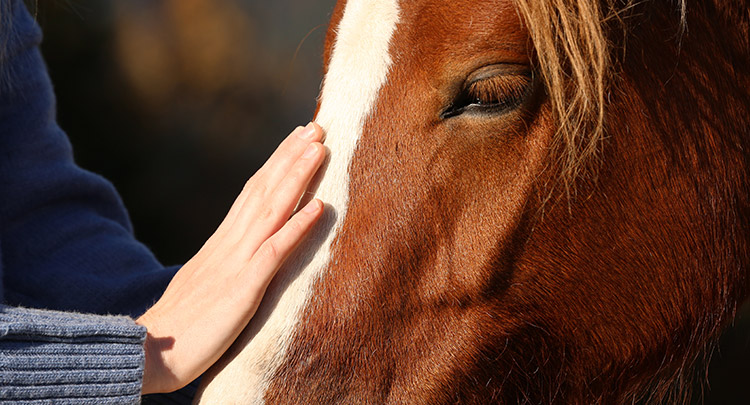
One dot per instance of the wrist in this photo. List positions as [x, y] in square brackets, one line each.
[156, 375]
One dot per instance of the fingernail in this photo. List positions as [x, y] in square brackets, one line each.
[309, 132]
[312, 206]
[311, 150]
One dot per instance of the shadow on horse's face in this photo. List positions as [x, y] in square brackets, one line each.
[442, 273]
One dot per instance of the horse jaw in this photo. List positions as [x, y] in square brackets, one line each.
[358, 68]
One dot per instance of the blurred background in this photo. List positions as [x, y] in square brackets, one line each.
[178, 102]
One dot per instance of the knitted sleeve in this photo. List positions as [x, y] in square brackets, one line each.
[65, 237]
[69, 358]
[66, 244]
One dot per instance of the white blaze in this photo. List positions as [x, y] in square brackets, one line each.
[357, 70]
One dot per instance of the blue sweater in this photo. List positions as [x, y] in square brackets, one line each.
[66, 248]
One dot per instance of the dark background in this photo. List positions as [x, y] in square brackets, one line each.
[178, 102]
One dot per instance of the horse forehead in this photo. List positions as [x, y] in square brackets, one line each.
[437, 39]
[358, 64]
[443, 25]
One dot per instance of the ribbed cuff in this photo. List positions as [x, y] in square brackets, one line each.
[68, 358]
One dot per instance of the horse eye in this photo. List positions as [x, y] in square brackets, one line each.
[492, 90]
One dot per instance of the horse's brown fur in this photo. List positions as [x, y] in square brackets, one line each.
[448, 285]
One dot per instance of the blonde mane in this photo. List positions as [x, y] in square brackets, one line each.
[574, 56]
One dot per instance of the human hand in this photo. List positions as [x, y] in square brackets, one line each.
[213, 296]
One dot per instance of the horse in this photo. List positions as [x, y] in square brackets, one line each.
[528, 201]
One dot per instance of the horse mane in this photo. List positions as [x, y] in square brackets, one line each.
[574, 54]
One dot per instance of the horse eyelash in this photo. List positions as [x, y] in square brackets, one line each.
[491, 94]
[498, 90]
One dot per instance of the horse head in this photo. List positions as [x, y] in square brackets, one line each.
[528, 202]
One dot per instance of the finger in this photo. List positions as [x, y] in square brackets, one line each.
[277, 209]
[270, 174]
[271, 254]
[282, 160]
[288, 152]
[273, 171]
